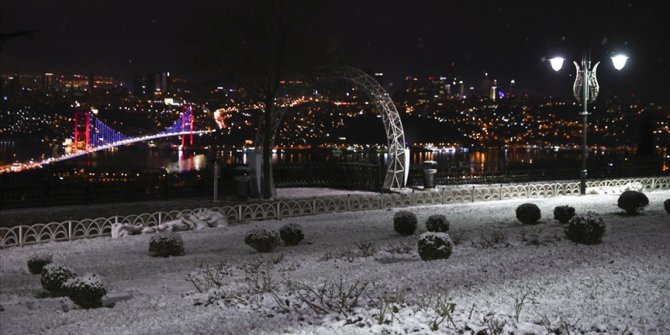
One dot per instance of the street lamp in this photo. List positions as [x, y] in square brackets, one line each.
[585, 93]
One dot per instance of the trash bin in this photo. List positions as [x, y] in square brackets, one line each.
[242, 182]
[429, 171]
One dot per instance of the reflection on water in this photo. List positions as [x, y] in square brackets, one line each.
[11, 151]
[129, 158]
[475, 162]
[512, 161]
[187, 162]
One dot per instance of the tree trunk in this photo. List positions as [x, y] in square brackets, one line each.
[266, 176]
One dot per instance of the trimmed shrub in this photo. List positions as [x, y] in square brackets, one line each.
[53, 278]
[528, 213]
[435, 246]
[563, 214]
[291, 233]
[37, 262]
[666, 204]
[166, 245]
[632, 202]
[86, 291]
[262, 240]
[437, 223]
[585, 229]
[404, 222]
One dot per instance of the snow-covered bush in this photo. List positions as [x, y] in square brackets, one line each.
[458, 236]
[210, 276]
[666, 204]
[291, 233]
[120, 230]
[632, 202]
[404, 222]
[262, 240]
[528, 213]
[166, 244]
[585, 229]
[366, 248]
[437, 223]
[333, 296]
[493, 239]
[563, 214]
[53, 278]
[400, 247]
[435, 246]
[86, 291]
[37, 261]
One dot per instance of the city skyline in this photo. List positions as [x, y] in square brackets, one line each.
[506, 40]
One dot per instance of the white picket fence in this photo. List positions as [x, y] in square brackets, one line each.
[88, 228]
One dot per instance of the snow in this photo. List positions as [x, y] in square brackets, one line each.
[620, 284]
[308, 192]
[89, 281]
[27, 216]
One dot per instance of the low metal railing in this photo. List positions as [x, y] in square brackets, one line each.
[89, 228]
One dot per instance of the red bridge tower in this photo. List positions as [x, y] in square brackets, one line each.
[79, 134]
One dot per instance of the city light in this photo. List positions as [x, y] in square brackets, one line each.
[510, 120]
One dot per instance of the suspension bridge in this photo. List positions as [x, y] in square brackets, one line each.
[91, 134]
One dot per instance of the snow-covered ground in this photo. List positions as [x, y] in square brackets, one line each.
[534, 275]
[308, 192]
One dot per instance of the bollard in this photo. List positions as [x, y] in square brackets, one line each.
[216, 181]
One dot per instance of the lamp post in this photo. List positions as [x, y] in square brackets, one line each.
[585, 89]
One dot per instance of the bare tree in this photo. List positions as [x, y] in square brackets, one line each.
[256, 45]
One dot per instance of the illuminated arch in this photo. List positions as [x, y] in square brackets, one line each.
[396, 173]
[398, 155]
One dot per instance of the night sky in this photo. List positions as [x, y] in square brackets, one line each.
[507, 39]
